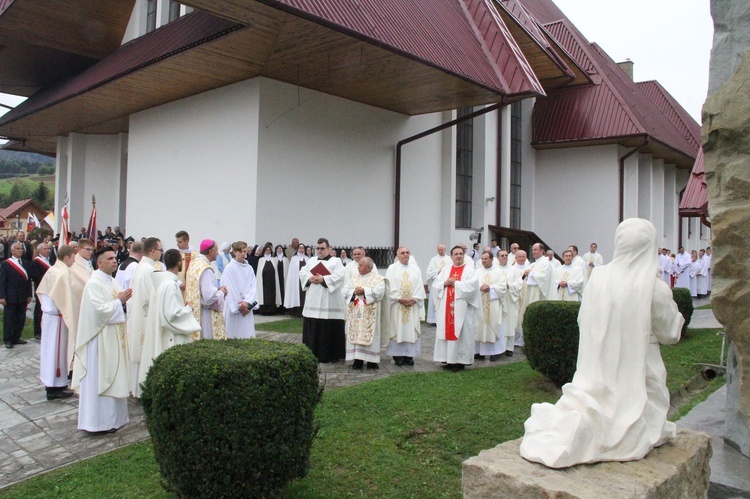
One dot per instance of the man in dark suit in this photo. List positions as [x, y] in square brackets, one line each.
[28, 251]
[15, 295]
[37, 269]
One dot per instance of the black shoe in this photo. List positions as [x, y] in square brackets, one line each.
[408, 361]
[60, 394]
[509, 353]
[458, 367]
[19, 342]
[449, 367]
[372, 365]
[478, 357]
[495, 358]
[399, 361]
[38, 337]
[8, 344]
[357, 365]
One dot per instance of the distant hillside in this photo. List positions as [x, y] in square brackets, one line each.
[29, 157]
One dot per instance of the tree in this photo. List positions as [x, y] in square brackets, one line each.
[18, 191]
[41, 193]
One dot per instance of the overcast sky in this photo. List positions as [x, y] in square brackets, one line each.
[668, 40]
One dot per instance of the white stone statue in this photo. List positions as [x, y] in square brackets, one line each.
[615, 409]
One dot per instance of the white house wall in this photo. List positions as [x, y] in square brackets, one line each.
[192, 165]
[326, 169]
[102, 166]
[577, 197]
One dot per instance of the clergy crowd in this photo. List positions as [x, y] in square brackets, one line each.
[105, 314]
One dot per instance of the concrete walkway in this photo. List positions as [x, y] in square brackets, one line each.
[37, 435]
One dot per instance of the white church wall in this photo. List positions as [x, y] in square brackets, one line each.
[326, 169]
[102, 179]
[529, 175]
[192, 165]
[670, 209]
[577, 197]
[658, 194]
[645, 185]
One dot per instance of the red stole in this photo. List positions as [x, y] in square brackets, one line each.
[450, 319]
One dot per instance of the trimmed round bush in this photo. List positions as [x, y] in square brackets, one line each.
[684, 303]
[550, 335]
[232, 418]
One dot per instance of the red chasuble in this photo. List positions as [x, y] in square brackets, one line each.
[450, 320]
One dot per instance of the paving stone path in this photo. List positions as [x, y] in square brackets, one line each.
[37, 435]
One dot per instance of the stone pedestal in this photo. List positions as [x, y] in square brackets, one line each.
[676, 469]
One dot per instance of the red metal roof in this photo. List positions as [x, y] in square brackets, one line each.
[463, 37]
[11, 210]
[695, 199]
[672, 109]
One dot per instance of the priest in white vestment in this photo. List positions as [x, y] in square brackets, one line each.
[692, 271]
[478, 265]
[708, 270]
[514, 285]
[323, 316]
[539, 285]
[125, 271]
[592, 259]
[170, 322]
[80, 273]
[665, 266]
[406, 297]
[490, 338]
[701, 279]
[681, 262]
[55, 296]
[458, 304]
[569, 279]
[242, 295]
[203, 295]
[294, 296]
[186, 250]
[142, 286]
[365, 314]
[552, 260]
[358, 254]
[615, 408]
[436, 265]
[578, 260]
[101, 367]
[520, 262]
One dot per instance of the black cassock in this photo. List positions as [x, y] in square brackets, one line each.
[269, 287]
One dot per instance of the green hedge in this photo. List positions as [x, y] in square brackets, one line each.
[550, 335]
[684, 303]
[232, 418]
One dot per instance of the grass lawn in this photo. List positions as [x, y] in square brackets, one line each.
[402, 436]
[31, 182]
[283, 326]
[707, 306]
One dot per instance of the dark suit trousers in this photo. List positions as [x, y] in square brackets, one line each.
[38, 317]
[14, 318]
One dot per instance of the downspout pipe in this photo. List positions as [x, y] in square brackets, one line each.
[407, 140]
[622, 174]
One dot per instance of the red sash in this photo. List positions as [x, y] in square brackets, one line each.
[39, 258]
[450, 319]
[18, 268]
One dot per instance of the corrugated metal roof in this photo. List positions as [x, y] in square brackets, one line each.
[672, 109]
[178, 36]
[695, 199]
[568, 39]
[463, 37]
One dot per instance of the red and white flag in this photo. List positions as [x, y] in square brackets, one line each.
[91, 231]
[64, 225]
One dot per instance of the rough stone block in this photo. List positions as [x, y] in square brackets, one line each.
[679, 468]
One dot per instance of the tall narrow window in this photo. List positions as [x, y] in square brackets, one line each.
[174, 10]
[150, 15]
[464, 169]
[515, 165]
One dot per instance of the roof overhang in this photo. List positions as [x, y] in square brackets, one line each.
[658, 149]
[267, 41]
[43, 42]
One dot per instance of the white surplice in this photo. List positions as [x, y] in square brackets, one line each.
[465, 313]
[240, 282]
[405, 330]
[436, 265]
[142, 286]
[490, 338]
[324, 302]
[293, 289]
[514, 285]
[681, 262]
[170, 322]
[364, 338]
[573, 275]
[101, 367]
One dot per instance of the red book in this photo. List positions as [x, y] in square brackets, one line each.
[320, 269]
